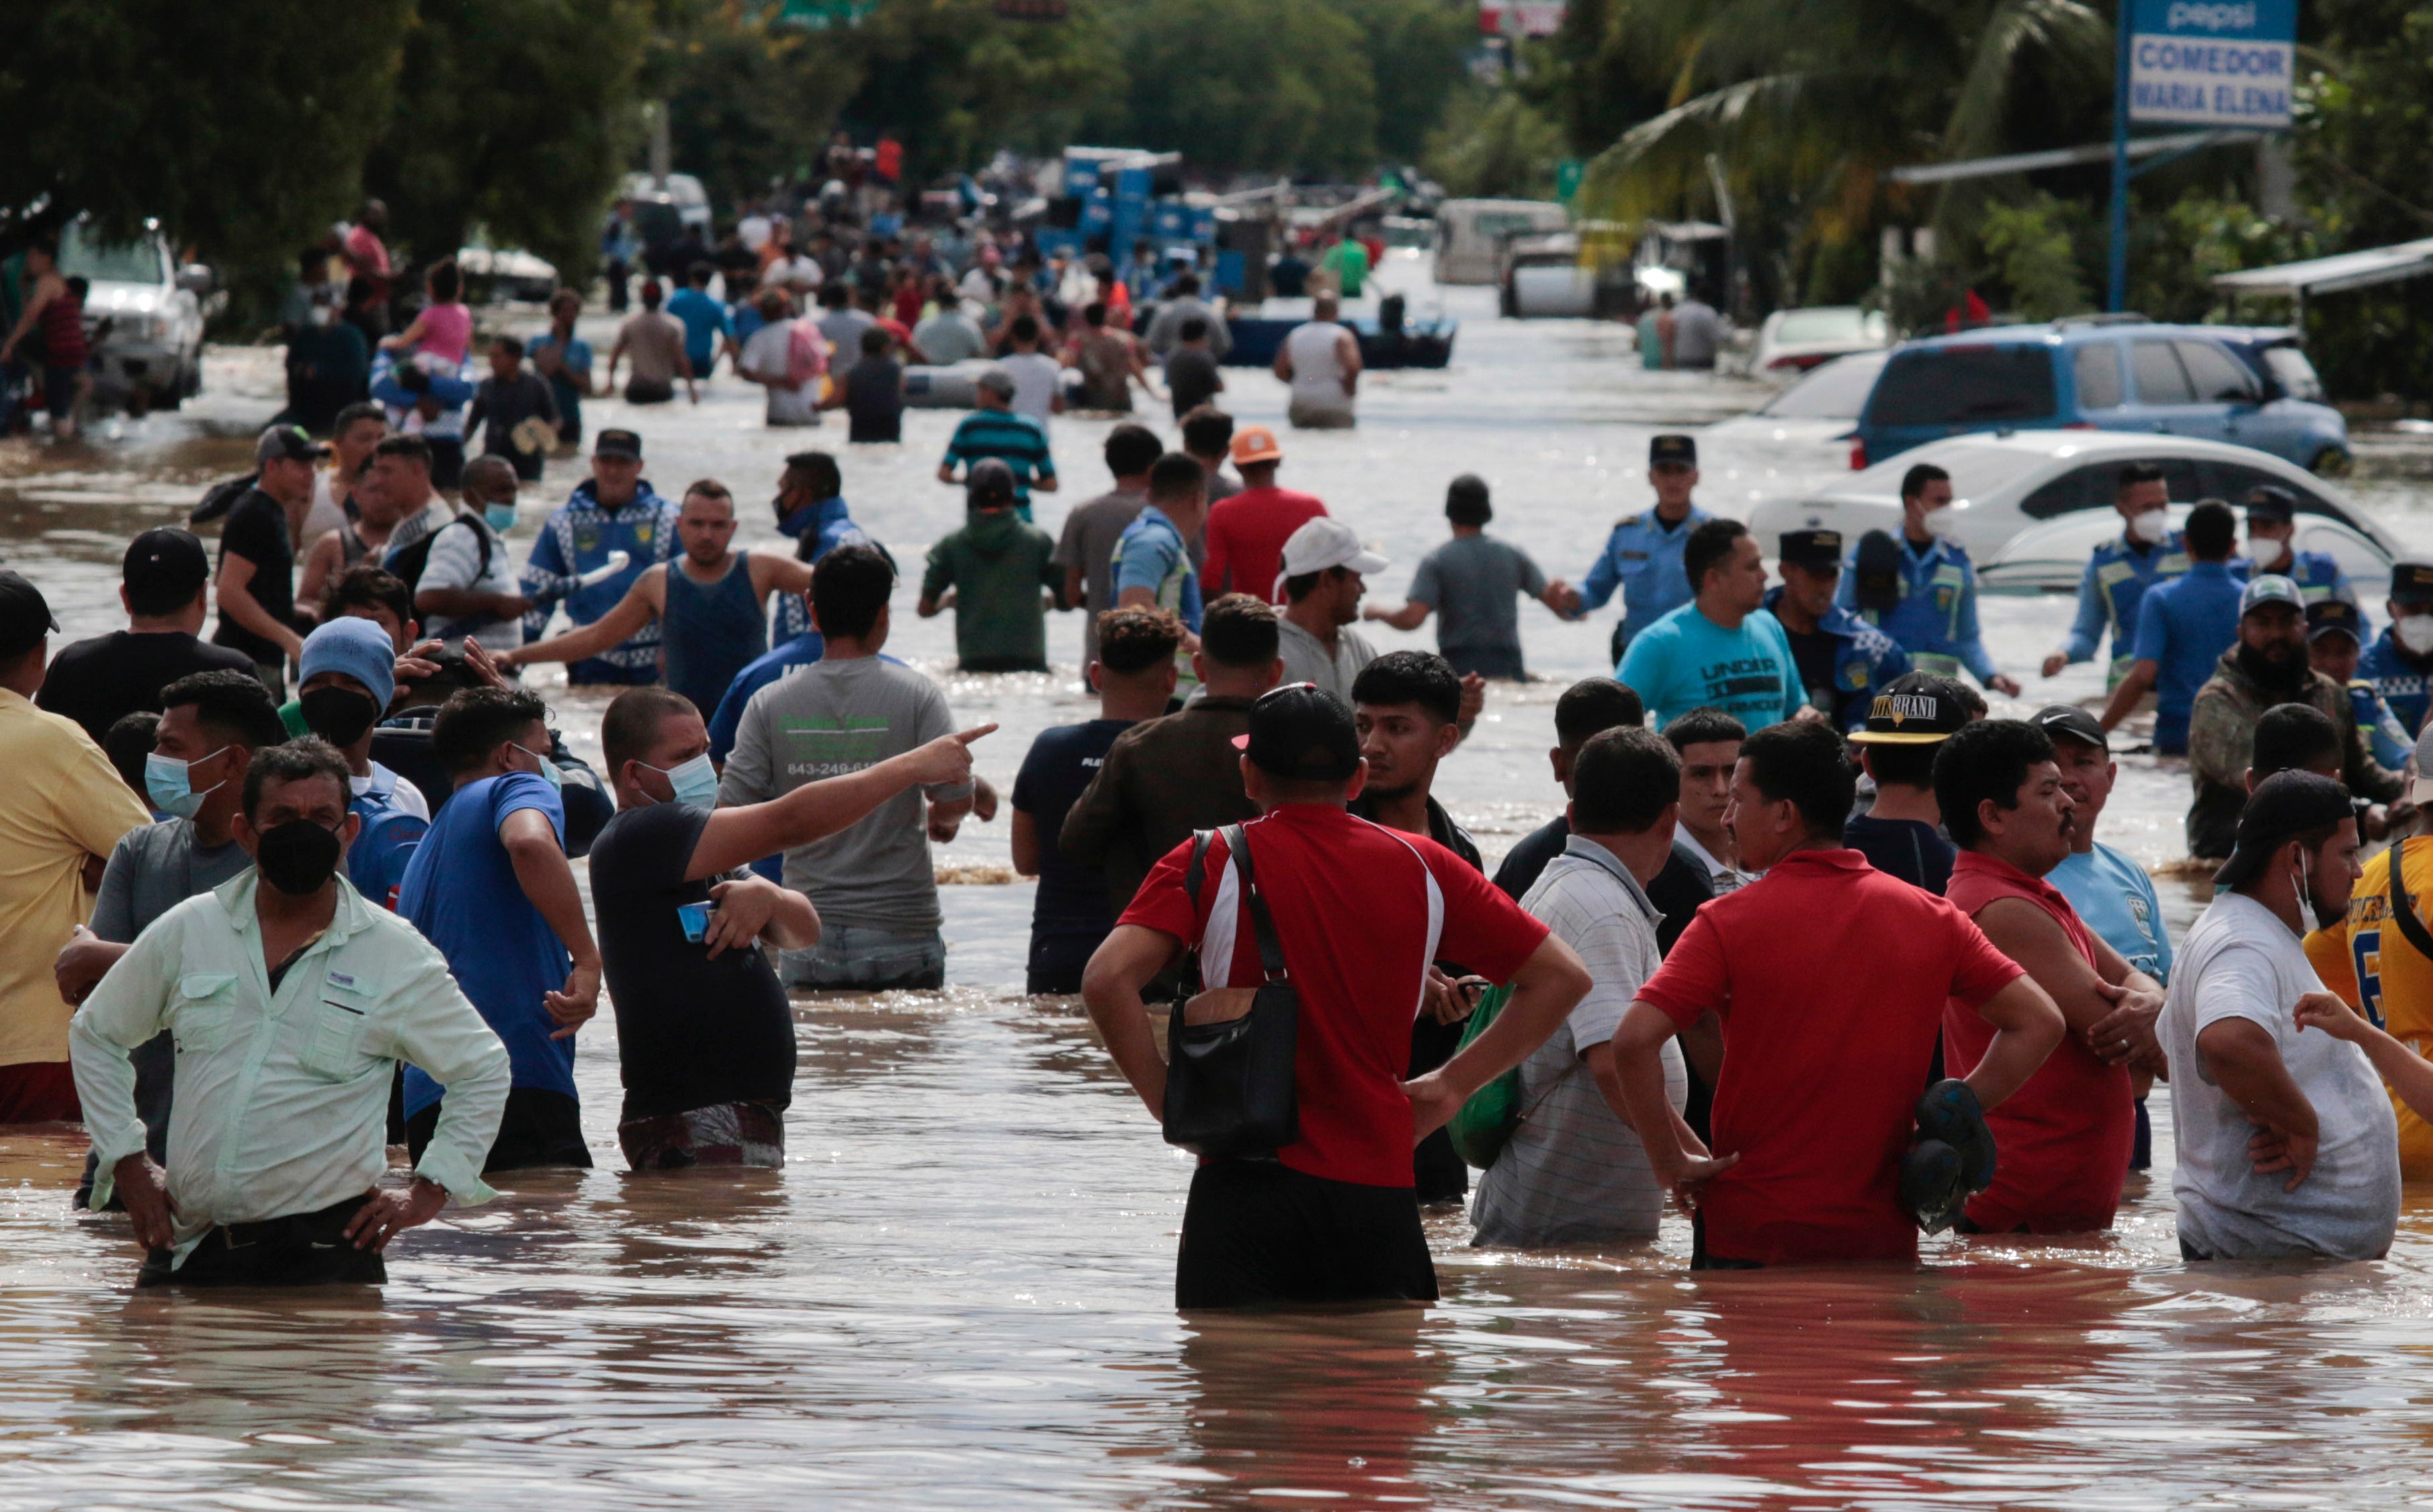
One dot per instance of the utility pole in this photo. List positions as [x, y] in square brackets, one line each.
[2117, 289]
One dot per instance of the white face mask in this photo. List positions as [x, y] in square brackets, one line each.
[1940, 522]
[2415, 633]
[2261, 552]
[2149, 526]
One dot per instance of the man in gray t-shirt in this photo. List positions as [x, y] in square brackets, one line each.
[872, 882]
[1474, 582]
[1088, 545]
[1697, 335]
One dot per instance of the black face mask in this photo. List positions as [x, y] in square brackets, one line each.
[338, 715]
[297, 857]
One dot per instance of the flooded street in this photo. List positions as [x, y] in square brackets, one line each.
[958, 1292]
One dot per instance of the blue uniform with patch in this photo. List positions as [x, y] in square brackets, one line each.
[1642, 558]
[1935, 621]
[2183, 627]
[1865, 659]
[2317, 576]
[2400, 683]
[2386, 738]
[577, 537]
[821, 528]
[2114, 582]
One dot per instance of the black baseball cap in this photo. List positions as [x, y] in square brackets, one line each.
[1812, 548]
[989, 483]
[617, 443]
[1303, 733]
[25, 616]
[165, 563]
[288, 443]
[2325, 617]
[2411, 579]
[2283, 804]
[2068, 721]
[1673, 447]
[1915, 709]
[2270, 503]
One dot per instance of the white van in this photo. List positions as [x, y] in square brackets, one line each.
[1470, 234]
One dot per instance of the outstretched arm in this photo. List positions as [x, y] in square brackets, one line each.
[638, 608]
[744, 833]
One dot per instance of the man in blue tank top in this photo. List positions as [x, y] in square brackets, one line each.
[709, 604]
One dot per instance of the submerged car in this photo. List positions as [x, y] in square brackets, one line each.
[1821, 408]
[1794, 341]
[143, 316]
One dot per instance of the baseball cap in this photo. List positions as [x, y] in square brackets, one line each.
[2411, 579]
[1326, 542]
[1810, 548]
[25, 616]
[1915, 709]
[165, 563]
[2271, 588]
[2069, 721]
[2283, 804]
[1673, 447]
[2326, 617]
[1301, 732]
[989, 483]
[1256, 444]
[2270, 503]
[617, 443]
[288, 443]
[997, 380]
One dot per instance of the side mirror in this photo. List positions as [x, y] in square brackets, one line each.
[196, 279]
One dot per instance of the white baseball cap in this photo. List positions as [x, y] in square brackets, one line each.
[1326, 542]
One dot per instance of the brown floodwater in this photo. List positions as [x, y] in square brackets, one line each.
[958, 1291]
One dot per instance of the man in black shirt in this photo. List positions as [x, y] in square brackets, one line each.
[100, 681]
[257, 571]
[705, 1041]
[872, 393]
[1902, 834]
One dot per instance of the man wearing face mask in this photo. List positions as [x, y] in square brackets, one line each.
[490, 885]
[2265, 667]
[1935, 617]
[2399, 664]
[2147, 552]
[2272, 547]
[2182, 627]
[705, 1038]
[613, 512]
[212, 724]
[290, 1001]
[349, 676]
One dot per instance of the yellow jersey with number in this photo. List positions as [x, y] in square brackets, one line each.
[2365, 959]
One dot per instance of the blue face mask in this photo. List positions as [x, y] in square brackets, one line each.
[171, 785]
[694, 782]
[501, 517]
[548, 772]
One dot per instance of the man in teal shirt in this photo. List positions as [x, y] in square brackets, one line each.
[1721, 649]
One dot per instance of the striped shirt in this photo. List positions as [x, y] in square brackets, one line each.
[1016, 440]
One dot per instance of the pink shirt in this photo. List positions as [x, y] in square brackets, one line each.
[447, 330]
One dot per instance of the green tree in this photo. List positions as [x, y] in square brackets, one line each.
[1250, 84]
[954, 82]
[1418, 53]
[1494, 144]
[750, 98]
[2030, 241]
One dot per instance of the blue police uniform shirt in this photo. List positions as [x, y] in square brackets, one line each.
[577, 537]
[2400, 682]
[2317, 576]
[1935, 621]
[2183, 627]
[2385, 737]
[2114, 582]
[2116, 899]
[825, 525]
[1642, 558]
[1863, 660]
[1685, 661]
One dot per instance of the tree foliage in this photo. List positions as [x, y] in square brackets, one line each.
[750, 98]
[954, 82]
[1266, 84]
[1495, 145]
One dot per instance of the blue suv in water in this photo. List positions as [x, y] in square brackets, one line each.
[2248, 385]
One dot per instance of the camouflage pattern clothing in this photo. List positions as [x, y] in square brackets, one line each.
[2221, 744]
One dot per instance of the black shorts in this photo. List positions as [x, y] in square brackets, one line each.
[307, 1249]
[1257, 1231]
[1056, 963]
[539, 1127]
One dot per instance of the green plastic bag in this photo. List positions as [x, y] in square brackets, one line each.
[1487, 1120]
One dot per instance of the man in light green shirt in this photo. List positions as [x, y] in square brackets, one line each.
[1349, 262]
[290, 1001]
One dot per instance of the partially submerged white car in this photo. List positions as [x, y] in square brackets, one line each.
[2033, 505]
[1821, 409]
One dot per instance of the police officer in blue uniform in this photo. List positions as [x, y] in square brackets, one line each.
[1642, 556]
[1843, 661]
[2335, 640]
[2145, 552]
[2272, 535]
[2399, 662]
[1935, 617]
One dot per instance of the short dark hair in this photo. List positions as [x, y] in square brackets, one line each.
[1187, 283]
[1419, 678]
[360, 410]
[1239, 631]
[473, 723]
[835, 295]
[2293, 738]
[1804, 762]
[1915, 480]
[700, 273]
[2212, 530]
[1194, 329]
[232, 706]
[1623, 780]
[709, 488]
[1711, 541]
[1465, 501]
[446, 280]
[128, 743]
[631, 727]
[1988, 759]
[1176, 475]
[1302, 584]
[407, 447]
[1207, 430]
[298, 760]
[1703, 726]
[511, 345]
[1025, 327]
[1593, 706]
[849, 586]
[1132, 448]
[2137, 473]
[1135, 638]
[368, 586]
[1095, 313]
[819, 472]
[876, 340]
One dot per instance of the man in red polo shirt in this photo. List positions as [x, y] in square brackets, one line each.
[1830, 979]
[1247, 533]
[2064, 1138]
[1360, 912]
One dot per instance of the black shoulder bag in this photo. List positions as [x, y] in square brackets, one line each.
[1229, 1073]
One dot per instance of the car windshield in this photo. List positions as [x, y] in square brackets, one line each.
[1802, 326]
[80, 255]
[1965, 385]
[1837, 391]
[2296, 376]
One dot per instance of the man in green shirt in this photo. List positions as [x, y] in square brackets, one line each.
[991, 572]
[1349, 262]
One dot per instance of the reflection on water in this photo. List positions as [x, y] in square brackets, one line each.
[958, 1292]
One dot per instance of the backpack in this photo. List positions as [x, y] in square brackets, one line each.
[407, 562]
[221, 497]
